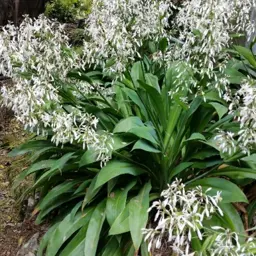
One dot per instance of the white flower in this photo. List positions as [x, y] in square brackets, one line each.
[37, 56]
[118, 28]
[243, 107]
[227, 243]
[179, 214]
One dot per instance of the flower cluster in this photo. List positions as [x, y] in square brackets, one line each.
[227, 243]
[243, 106]
[180, 214]
[117, 30]
[37, 56]
[206, 27]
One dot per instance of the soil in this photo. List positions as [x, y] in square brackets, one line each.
[16, 225]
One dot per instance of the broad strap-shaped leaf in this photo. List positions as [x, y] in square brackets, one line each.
[236, 172]
[65, 229]
[137, 73]
[57, 167]
[247, 54]
[147, 133]
[136, 99]
[145, 146]
[112, 248]
[121, 223]
[30, 147]
[127, 124]
[63, 188]
[45, 164]
[179, 168]
[116, 168]
[46, 238]
[121, 141]
[233, 220]
[153, 81]
[220, 109]
[91, 192]
[116, 202]
[76, 245]
[230, 192]
[138, 214]
[89, 157]
[196, 136]
[94, 229]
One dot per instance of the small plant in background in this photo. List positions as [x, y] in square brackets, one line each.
[122, 117]
[68, 10]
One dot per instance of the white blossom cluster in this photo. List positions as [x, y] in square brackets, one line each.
[179, 214]
[243, 106]
[206, 28]
[227, 243]
[37, 56]
[118, 29]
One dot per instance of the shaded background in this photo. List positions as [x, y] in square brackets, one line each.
[14, 9]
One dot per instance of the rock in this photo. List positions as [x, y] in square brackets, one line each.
[30, 248]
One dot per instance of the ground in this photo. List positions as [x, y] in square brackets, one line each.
[16, 225]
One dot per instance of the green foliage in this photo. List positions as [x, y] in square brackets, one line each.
[68, 10]
[157, 138]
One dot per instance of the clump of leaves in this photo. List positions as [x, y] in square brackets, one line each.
[68, 10]
[101, 210]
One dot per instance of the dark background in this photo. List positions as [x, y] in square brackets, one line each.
[14, 9]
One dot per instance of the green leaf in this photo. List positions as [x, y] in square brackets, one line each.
[45, 164]
[127, 124]
[121, 141]
[234, 76]
[135, 98]
[247, 54]
[89, 157]
[112, 248]
[251, 210]
[116, 202]
[233, 220]
[138, 214]
[121, 224]
[208, 243]
[46, 238]
[147, 133]
[63, 188]
[82, 187]
[65, 230]
[221, 110]
[196, 136]
[152, 81]
[137, 73]
[163, 44]
[94, 229]
[57, 167]
[206, 153]
[230, 193]
[91, 192]
[236, 172]
[179, 168]
[144, 249]
[250, 161]
[144, 145]
[76, 245]
[30, 147]
[116, 168]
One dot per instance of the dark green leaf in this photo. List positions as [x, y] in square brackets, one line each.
[116, 168]
[94, 230]
[146, 146]
[229, 191]
[138, 214]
